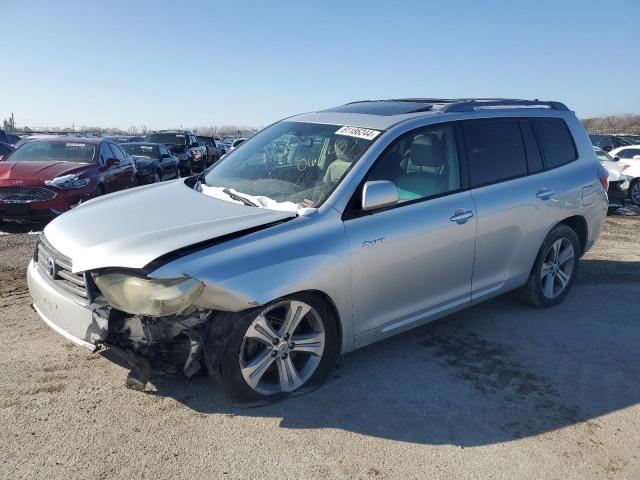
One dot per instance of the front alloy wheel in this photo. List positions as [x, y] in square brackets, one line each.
[282, 348]
[273, 351]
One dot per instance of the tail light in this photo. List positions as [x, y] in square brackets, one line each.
[603, 176]
[605, 182]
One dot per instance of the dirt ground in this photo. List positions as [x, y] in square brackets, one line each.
[498, 391]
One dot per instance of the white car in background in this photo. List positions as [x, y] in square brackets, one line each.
[624, 173]
[628, 152]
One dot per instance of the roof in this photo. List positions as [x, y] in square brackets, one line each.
[382, 114]
[64, 138]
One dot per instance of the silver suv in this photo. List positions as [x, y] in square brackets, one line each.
[323, 233]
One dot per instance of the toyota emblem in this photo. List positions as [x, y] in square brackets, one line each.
[51, 267]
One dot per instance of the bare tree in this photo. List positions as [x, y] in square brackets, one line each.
[625, 123]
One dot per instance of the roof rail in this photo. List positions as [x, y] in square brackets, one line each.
[478, 103]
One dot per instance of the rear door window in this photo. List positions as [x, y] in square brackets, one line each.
[495, 151]
[556, 141]
[534, 157]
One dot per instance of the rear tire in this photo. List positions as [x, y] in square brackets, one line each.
[257, 359]
[554, 270]
[634, 192]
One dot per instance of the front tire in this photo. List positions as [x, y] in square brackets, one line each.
[286, 346]
[554, 270]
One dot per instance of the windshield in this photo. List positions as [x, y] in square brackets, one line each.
[150, 151]
[289, 165]
[38, 151]
[167, 138]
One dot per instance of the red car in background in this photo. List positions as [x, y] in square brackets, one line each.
[47, 176]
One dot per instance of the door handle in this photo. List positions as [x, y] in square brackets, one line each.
[545, 194]
[461, 216]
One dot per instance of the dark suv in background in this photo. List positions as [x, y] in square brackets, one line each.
[211, 147]
[184, 145]
[608, 142]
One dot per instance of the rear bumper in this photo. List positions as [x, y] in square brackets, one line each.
[78, 323]
[618, 189]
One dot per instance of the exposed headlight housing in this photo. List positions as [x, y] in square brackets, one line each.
[67, 181]
[155, 298]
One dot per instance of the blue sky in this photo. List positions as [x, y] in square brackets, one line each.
[199, 63]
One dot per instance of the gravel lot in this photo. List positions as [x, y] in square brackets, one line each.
[497, 391]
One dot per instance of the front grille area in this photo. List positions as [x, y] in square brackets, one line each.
[25, 194]
[57, 268]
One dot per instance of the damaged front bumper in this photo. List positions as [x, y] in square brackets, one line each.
[83, 325]
[166, 343]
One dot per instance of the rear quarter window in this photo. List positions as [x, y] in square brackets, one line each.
[556, 141]
[495, 150]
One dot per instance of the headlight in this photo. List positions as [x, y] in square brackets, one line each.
[67, 181]
[141, 296]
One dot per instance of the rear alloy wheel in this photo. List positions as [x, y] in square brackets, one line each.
[275, 350]
[554, 270]
[557, 268]
[634, 193]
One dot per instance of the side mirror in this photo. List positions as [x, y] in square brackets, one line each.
[111, 162]
[165, 155]
[379, 194]
[615, 159]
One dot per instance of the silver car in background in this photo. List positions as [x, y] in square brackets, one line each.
[377, 217]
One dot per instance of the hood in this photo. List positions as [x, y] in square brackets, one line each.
[131, 228]
[38, 170]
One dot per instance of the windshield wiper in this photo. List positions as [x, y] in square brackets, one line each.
[240, 198]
